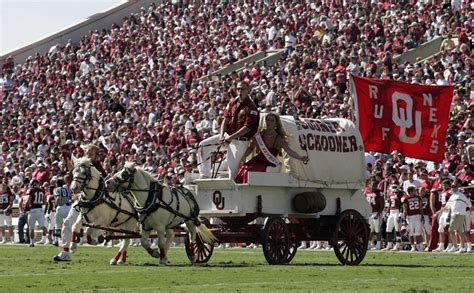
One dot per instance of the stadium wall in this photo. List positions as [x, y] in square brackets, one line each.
[267, 57]
[423, 51]
[101, 20]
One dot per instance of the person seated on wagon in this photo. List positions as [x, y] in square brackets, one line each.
[268, 142]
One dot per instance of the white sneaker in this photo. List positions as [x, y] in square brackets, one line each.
[462, 250]
[302, 246]
[440, 248]
[396, 247]
[42, 241]
[4, 241]
[62, 256]
[389, 246]
[453, 249]
[469, 247]
[427, 249]
[413, 248]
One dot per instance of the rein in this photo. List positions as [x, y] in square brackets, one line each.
[101, 196]
[155, 201]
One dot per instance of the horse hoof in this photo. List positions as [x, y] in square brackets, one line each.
[113, 262]
[163, 262]
[120, 262]
[192, 260]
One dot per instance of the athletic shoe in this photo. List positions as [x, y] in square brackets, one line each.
[413, 248]
[42, 241]
[439, 249]
[448, 248]
[396, 247]
[4, 241]
[453, 249]
[462, 250]
[62, 256]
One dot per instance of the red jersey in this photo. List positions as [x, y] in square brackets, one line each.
[425, 205]
[242, 114]
[375, 199]
[444, 197]
[395, 200]
[51, 202]
[6, 198]
[413, 205]
[37, 198]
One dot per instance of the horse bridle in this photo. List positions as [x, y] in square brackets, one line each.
[126, 175]
[83, 181]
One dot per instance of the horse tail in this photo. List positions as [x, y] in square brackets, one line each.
[205, 234]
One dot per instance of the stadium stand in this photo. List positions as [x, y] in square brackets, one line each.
[157, 83]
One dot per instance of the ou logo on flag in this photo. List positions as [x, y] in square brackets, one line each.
[403, 117]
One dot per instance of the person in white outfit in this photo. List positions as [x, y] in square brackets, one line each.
[241, 121]
[458, 206]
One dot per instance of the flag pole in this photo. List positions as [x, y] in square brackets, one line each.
[355, 111]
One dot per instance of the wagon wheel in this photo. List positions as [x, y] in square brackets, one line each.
[292, 251]
[350, 238]
[276, 241]
[202, 251]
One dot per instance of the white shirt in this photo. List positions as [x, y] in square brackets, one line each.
[458, 203]
[407, 184]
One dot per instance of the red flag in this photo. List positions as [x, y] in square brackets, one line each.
[409, 118]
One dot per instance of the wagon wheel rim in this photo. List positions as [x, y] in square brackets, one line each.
[351, 238]
[292, 251]
[276, 242]
[203, 251]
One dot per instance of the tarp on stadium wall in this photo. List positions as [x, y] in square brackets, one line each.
[334, 147]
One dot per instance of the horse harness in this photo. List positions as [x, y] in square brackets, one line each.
[101, 196]
[155, 201]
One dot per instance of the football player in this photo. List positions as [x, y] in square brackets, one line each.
[394, 196]
[35, 203]
[6, 203]
[412, 214]
[442, 216]
[375, 199]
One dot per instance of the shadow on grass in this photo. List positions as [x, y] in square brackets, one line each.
[208, 265]
[415, 266]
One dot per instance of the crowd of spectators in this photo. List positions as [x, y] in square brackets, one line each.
[138, 91]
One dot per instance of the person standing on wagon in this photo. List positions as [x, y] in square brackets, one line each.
[241, 120]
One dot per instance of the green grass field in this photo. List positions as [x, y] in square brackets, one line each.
[25, 269]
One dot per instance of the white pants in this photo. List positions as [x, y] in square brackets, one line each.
[469, 220]
[61, 213]
[52, 217]
[393, 221]
[235, 152]
[426, 223]
[414, 225]
[5, 220]
[442, 221]
[374, 221]
[67, 226]
[36, 216]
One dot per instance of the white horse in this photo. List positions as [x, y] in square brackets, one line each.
[99, 207]
[160, 208]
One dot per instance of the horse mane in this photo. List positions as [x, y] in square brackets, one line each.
[87, 161]
[82, 161]
[151, 176]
